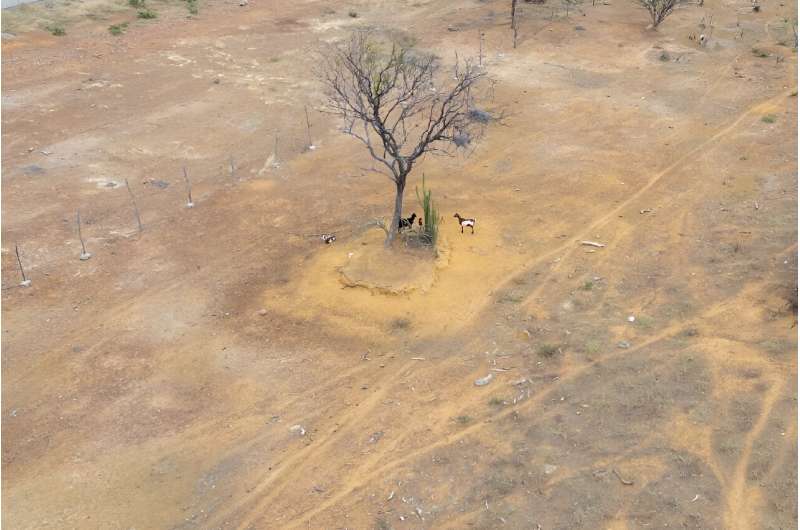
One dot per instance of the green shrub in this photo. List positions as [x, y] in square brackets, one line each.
[118, 29]
[146, 14]
[769, 118]
[430, 227]
[136, 3]
[57, 30]
[548, 350]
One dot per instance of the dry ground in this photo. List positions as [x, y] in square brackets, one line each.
[155, 385]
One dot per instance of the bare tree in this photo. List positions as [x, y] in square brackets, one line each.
[396, 102]
[658, 9]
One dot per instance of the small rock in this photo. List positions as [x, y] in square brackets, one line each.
[262, 312]
[297, 429]
[375, 437]
[631, 318]
[483, 381]
[623, 344]
[580, 28]
[549, 469]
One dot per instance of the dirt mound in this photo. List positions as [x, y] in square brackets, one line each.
[389, 271]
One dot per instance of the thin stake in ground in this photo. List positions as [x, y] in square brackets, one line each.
[232, 163]
[480, 48]
[135, 207]
[25, 281]
[311, 146]
[84, 255]
[275, 162]
[189, 204]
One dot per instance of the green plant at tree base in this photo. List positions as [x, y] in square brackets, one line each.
[430, 227]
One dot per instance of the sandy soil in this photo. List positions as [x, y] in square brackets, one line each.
[156, 385]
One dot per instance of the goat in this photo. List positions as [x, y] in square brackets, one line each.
[406, 223]
[465, 222]
[328, 238]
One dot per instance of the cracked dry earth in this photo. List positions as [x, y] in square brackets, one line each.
[157, 384]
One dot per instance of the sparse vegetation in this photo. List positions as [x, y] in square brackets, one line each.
[769, 118]
[192, 7]
[511, 298]
[592, 347]
[399, 324]
[758, 52]
[57, 30]
[658, 9]
[587, 285]
[146, 14]
[463, 419]
[382, 524]
[138, 4]
[118, 29]
[548, 350]
[496, 401]
[352, 14]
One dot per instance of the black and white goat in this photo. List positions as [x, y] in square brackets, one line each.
[328, 238]
[407, 223]
[464, 222]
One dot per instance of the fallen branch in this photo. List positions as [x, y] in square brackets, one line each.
[84, 255]
[25, 281]
[593, 244]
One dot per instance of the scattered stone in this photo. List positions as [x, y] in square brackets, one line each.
[483, 381]
[580, 28]
[631, 318]
[160, 184]
[262, 312]
[549, 469]
[623, 344]
[297, 429]
[376, 436]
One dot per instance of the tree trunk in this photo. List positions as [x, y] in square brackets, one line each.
[394, 226]
[513, 14]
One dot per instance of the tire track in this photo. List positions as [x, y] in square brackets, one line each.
[736, 514]
[294, 464]
[570, 247]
